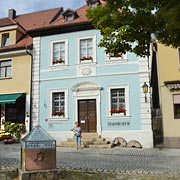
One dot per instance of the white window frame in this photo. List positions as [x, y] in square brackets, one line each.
[112, 60]
[126, 87]
[66, 53]
[6, 66]
[69, 17]
[3, 42]
[65, 90]
[93, 37]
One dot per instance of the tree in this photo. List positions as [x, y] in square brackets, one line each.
[126, 25]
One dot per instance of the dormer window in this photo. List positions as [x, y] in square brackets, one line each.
[69, 15]
[5, 40]
[93, 3]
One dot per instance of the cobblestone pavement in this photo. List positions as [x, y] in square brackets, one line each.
[121, 160]
[115, 160]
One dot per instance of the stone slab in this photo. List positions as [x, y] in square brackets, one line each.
[51, 174]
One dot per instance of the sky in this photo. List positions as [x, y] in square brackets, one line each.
[28, 6]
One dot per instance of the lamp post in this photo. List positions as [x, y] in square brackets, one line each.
[145, 90]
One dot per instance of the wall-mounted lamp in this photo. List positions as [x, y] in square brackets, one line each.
[145, 90]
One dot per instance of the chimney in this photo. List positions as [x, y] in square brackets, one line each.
[11, 13]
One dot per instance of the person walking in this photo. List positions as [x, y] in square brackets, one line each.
[77, 134]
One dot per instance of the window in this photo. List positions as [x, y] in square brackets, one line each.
[118, 100]
[69, 17]
[59, 52]
[176, 102]
[86, 50]
[5, 69]
[117, 58]
[86, 47]
[5, 40]
[93, 5]
[58, 104]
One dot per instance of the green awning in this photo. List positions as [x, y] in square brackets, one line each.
[9, 98]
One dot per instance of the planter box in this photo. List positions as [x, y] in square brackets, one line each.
[119, 114]
[86, 61]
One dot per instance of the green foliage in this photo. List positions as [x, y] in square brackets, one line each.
[126, 25]
[16, 129]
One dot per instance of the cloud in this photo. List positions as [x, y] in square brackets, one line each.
[28, 6]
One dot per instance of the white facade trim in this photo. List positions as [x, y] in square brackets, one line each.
[98, 75]
[66, 53]
[78, 47]
[51, 91]
[144, 76]
[62, 67]
[35, 81]
[82, 91]
[126, 87]
[14, 53]
[6, 28]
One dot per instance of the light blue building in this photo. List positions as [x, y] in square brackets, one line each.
[74, 80]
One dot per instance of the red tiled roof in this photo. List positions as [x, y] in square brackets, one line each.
[6, 22]
[37, 19]
[42, 19]
[25, 41]
[81, 13]
[46, 21]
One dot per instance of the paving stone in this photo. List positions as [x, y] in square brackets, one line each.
[121, 160]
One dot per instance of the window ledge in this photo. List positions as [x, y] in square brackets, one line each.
[4, 78]
[58, 66]
[85, 63]
[57, 119]
[119, 61]
[119, 117]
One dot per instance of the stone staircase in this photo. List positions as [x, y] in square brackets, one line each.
[89, 140]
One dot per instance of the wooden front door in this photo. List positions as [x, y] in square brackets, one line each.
[87, 115]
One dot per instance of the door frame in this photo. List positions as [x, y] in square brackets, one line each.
[87, 93]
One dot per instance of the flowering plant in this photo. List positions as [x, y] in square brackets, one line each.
[57, 61]
[86, 58]
[120, 110]
[15, 129]
[58, 113]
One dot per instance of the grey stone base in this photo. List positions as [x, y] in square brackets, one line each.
[171, 142]
[51, 174]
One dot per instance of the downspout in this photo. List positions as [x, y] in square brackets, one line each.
[30, 119]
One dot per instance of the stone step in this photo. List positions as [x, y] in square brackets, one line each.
[73, 143]
[87, 139]
[84, 142]
[69, 145]
[100, 146]
[100, 142]
[90, 135]
[93, 139]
